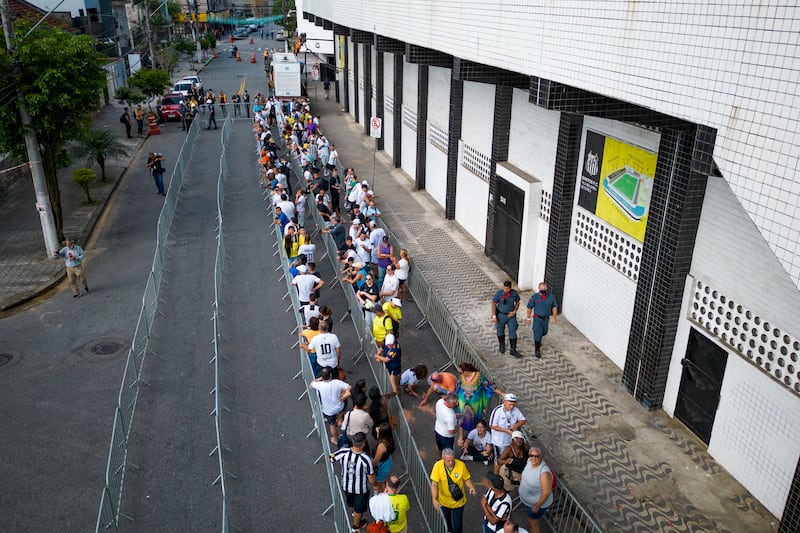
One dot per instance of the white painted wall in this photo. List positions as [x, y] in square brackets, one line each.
[438, 115]
[318, 39]
[478, 116]
[756, 434]
[353, 83]
[388, 93]
[409, 141]
[472, 195]
[533, 138]
[737, 63]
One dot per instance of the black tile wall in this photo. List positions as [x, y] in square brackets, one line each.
[564, 180]
[790, 521]
[675, 207]
[367, 86]
[503, 96]
[422, 125]
[453, 137]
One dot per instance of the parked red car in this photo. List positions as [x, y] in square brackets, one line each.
[170, 104]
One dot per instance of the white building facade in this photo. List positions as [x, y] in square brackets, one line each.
[640, 157]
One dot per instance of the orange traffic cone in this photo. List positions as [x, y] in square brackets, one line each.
[251, 39]
[230, 38]
[238, 56]
[253, 57]
[151, 122]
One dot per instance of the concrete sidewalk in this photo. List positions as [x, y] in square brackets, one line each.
[25, 270]
[633, 470]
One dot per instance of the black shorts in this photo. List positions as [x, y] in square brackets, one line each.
[358, 502]
[331, 420]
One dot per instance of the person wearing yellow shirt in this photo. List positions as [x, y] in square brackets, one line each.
[448, 469]
[399, 504]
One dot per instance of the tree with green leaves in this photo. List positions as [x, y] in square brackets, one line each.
[60, 76]
[286, 9]
[98, 145]
[84, 177]
[151, 81]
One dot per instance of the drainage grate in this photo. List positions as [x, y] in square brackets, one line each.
[5, 358]
[107, 347]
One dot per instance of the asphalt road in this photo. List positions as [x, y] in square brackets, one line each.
[59, 393]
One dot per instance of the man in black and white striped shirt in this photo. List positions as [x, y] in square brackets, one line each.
[496, 504]
[357, 476]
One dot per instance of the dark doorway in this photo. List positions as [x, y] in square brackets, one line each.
[701, 382]
[509, 204]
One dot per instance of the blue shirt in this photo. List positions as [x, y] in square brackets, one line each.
[505, 302]
[542, 303]
[73, 255]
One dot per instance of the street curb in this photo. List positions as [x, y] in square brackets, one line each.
[85, 235]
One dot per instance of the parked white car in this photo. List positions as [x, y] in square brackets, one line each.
[196, 81]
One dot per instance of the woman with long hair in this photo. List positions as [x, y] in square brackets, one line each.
[383, 454]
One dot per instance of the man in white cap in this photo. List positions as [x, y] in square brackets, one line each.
[306, 284]
[505, 419]
[391, 357]
[393, 309]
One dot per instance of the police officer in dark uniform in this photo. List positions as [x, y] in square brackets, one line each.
[542, 304]
[504, 313]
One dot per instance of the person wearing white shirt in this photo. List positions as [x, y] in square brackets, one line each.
[444, 427]
[332, 395]
[306, 284]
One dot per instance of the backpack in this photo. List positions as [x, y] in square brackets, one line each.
[122, 119]
[377, 527]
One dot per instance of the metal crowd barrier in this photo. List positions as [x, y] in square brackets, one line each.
[566, 514]
[341, 514]
[109, 511]
[416, 470]
[219, 269]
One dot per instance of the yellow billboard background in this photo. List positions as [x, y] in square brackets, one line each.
[618, 155]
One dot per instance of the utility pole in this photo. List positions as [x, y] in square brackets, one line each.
[149, 34]
[32, 148]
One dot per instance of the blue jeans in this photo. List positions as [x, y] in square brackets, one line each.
[454, 519]
[158, 177]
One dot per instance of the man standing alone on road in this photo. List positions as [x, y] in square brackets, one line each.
[247, 103]
[125, 119]
[504, 312]
[542, 305]
[73, 255]
[154, 161]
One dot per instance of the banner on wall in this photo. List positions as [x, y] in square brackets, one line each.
[340, 53]
[616, 183]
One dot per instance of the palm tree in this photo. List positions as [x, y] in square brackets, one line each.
[98, 145]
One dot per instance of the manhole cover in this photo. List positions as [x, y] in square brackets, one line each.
[5, 358]
[107, 347]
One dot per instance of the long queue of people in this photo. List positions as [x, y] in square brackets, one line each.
[357, 416]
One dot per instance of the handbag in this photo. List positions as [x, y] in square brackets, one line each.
[455, 491]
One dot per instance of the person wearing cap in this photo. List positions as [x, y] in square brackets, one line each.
[306, 284]
[505, 303]
[355, 228]
[513, 459]
[393, 308]
[391, 358]
[381, 326]
[73, 260]
[496, 505]
[505, 419]
[541, 305]
[441, 383]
